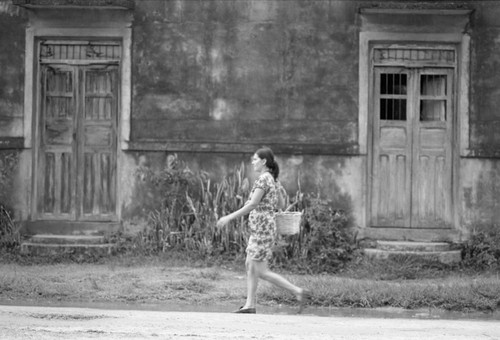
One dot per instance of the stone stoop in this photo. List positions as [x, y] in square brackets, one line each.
[46, 244]
[439, 251]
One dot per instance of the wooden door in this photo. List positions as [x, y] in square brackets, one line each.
[76, 160]
[412, 148]
[56, 161]
[432, 149]
[97, 144]
[392, 149]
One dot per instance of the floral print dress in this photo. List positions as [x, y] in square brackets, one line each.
[262, 221]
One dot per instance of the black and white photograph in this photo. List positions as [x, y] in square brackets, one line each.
[250, 169]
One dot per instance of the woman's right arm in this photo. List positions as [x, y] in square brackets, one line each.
[250, 205]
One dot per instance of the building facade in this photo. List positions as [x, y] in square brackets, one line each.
[387, 108]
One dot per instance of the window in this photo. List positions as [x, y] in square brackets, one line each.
[393, 92]
[433, 93]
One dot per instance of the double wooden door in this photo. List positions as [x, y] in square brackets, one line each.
[76, 138]
[412, 158]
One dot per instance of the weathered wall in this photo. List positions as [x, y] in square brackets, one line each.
[480, 171]
[246, 72]
[236, 75]
[12, 31]
[481, 192]
[337, 178]
[485, 90]
[229, 76]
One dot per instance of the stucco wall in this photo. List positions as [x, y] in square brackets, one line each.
[237, 75]
[481, 193]
[246, 72]
[485, 94]
[12, 30]
[337, 178]
[480, 171]
[229, 76]
[13, 192]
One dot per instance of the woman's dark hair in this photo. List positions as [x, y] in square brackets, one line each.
[268, 155]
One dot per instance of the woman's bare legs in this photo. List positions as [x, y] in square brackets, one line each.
[252, 282]
[276, 279]
[259, 269]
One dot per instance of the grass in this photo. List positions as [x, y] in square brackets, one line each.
[160, 280]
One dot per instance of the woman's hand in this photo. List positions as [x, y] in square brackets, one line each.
[223, 221]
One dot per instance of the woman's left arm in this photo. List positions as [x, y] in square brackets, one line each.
[251, 204]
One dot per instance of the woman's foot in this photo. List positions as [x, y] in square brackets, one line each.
[303, 297]
[245, 310]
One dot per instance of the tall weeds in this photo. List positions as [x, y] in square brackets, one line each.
[192, 204]
[9, 230]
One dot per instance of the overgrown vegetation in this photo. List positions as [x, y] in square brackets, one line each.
[191, 204]
[182, 232]
[326, 243]
[482, 251]
[9, 229]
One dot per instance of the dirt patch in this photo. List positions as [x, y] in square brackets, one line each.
[58, 316]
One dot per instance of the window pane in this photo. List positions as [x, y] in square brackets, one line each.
[433, 85]
[433, 110]
[392, 109]
[393, 83]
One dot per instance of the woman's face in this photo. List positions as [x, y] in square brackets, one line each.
[258, 163]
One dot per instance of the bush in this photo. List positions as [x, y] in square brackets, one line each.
[326, 242]
[9, 230]
[482, 250]
[10, 237]
[192, 204]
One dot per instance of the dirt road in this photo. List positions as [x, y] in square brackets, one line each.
[21, 322]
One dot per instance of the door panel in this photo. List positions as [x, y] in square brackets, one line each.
[392, 149]
[99, 142]
[412, 148]
[432, 187]
[55, 168]
[76, 162]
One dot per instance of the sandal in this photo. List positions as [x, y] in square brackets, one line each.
[245, 310]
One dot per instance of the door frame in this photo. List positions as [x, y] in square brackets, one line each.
[406, 199]
[461, 44]
[38, 31]
[78, 69]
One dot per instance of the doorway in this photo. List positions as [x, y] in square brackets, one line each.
[412, 150]
[76, 133]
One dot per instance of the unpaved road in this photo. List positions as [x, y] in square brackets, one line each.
[21, 322]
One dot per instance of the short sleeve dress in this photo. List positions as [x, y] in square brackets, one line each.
[262, 220]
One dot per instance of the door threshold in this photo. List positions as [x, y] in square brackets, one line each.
[412, 234]
[64, 227]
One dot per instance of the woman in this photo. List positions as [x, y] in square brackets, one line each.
[261, 206]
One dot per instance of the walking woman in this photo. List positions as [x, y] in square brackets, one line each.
[262, 205]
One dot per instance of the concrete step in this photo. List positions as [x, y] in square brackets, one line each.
[412, 234]
[437, 251]
[44, 249]
[50, 244]
[70, 227]
[66, 239]
[447, 257]
[413, 246]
